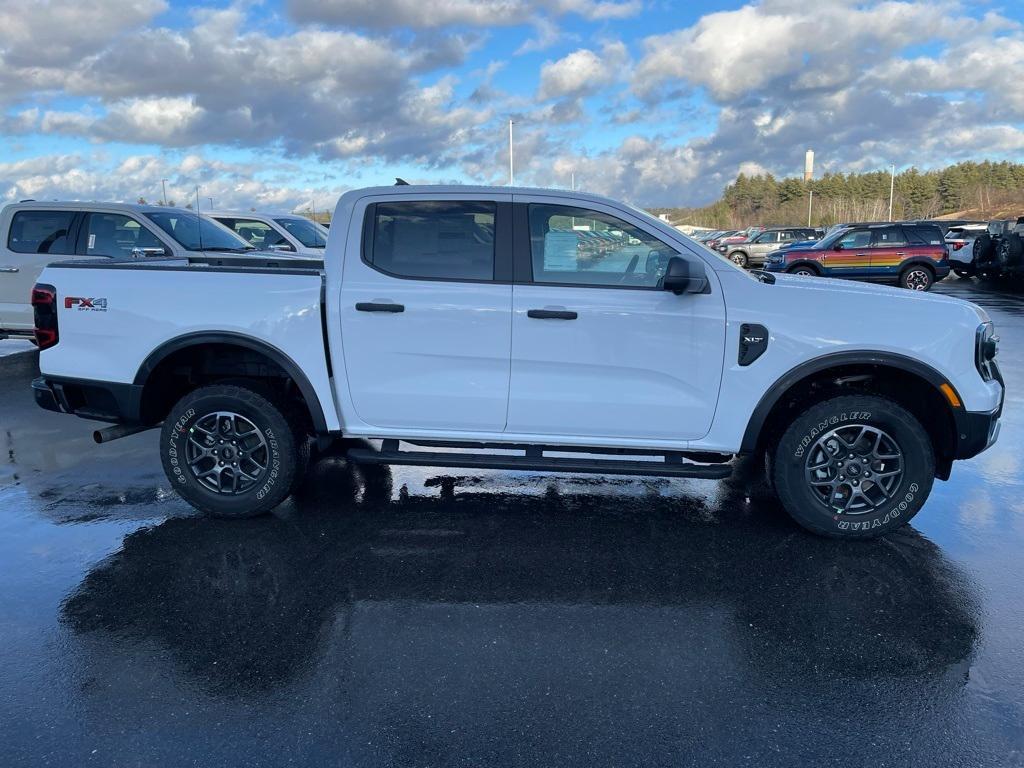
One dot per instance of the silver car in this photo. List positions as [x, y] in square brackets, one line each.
[755, 251]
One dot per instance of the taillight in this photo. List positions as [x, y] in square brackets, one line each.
[957, 244]
[44, 308]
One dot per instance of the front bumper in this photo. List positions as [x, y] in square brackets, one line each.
[978, 430]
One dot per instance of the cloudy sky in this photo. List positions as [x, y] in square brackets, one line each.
[276, 103]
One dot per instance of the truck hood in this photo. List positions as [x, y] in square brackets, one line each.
[852, 295]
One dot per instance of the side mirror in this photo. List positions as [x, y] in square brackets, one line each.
[140, 253]
[281, 248]
[682, 276]
[837, 247]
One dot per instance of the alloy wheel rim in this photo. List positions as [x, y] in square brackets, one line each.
[226, 452]
[917, 280]
[737, 259]
[804, 272]
[854, 469]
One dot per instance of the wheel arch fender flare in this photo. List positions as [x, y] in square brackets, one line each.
[797, 374]
[805, 263]
[202, 338]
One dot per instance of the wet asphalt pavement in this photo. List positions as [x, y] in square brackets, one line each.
[415, 617]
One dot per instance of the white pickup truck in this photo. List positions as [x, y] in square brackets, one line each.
[523, 329]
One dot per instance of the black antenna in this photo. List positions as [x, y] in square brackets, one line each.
[199, 220]
[401, 182]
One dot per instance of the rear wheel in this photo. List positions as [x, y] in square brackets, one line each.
[856, 466]
[739, 258]
[230, 451]
[917, 277]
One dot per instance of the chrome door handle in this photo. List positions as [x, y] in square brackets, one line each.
[9, 270]
[901, 254]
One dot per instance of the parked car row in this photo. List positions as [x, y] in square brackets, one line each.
[988, 250]
[33, 234]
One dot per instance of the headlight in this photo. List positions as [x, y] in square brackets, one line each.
[986, 347]
[775, 258]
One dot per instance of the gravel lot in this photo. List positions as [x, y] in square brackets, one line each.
[422, 618]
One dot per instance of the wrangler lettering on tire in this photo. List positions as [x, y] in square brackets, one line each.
[854, 466]
[229, 451]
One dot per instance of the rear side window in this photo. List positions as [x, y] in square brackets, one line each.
[888, 237]
[924, 235]
[41, 232]
[113, 234]
[440, 240]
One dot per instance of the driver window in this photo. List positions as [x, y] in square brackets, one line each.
[583, 247]
[858, 238]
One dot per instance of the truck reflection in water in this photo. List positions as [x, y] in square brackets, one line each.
[400, 597]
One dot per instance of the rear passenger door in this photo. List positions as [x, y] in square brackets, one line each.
[426, 314]
[34, 239]
[889, 250]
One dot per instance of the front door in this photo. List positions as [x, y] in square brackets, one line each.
[850, 254]
[598, 350]
[426, 318]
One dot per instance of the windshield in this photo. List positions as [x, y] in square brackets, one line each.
[197, 234]
[307, 232]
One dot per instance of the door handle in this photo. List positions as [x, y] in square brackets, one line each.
[9, 270]
[552, 314]
[379, 306]
[901, 254]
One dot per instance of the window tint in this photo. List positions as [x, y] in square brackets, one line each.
[855, 238]
[583, 247]
[255, 232]
[41, 232]
[888, 237]
[767, 237]
[195, 233]
[309, 233]
[112, 234]
[924, 235]
[437, 239]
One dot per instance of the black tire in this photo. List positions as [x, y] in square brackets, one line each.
[807, 439]
[962, 272]
[1011, 249]
[265, 476]
[917, 277]
[739, 258]
[982, 248]
[804, 269]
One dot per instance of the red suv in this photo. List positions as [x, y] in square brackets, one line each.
[910, 255]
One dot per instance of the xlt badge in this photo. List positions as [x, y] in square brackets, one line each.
[753, 342]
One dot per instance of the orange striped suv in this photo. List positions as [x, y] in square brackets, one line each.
[913, 256]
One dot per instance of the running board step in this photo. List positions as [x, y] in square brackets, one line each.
[535, 461]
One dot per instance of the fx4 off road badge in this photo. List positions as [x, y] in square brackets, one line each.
[86, 305]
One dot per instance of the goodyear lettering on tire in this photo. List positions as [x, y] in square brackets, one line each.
[172, 444]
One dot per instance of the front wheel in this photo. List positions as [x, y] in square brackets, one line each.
[739, 258]
[854, 467]
[229, 451]
[804, 270]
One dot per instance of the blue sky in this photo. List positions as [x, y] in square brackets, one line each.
[275, 104]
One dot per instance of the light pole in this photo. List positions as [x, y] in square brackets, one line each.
[892, 188]
[163, 186]
[211, 202]
[511, 165]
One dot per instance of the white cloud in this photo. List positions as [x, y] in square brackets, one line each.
[582, 72]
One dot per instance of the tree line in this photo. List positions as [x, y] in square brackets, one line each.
[983, 189]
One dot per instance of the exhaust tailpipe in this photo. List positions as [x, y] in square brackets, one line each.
[118, 431]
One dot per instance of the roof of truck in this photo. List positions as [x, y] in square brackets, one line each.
[470, 189]
[100, 204]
